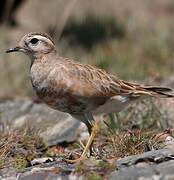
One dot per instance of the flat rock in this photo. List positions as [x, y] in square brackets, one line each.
[163, 171]
[50, 170]
[151, 157]
[152, 165]
[53, 126]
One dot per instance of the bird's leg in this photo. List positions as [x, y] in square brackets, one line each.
[93, 128]
[90, 122]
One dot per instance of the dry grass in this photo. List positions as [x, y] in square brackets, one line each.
[17, 149]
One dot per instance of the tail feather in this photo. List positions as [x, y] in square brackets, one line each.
[154, 88]
[139, 90]
[159, 91]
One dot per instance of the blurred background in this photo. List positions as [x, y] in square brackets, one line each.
[133, 39]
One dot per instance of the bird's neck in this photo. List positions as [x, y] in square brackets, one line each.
[43, 57]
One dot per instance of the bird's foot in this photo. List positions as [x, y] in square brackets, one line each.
[88, 146]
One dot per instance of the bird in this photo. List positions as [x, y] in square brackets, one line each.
[81, 90]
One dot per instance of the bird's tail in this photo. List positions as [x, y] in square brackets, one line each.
[159, 91]
[155, 91]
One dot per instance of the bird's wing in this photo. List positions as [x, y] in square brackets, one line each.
[107, 85]
[93, 81]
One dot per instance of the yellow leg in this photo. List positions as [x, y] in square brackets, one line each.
[95, 130]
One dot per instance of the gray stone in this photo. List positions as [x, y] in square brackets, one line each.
[151, 157]
[53, 126]
[41, 160]
[153, 165]
[162, 171]
[51, 170]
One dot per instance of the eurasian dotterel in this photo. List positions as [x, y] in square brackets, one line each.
[79, 89]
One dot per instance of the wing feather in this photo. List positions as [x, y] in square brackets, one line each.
[106, 85]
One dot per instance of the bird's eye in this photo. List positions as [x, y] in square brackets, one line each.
[34, 41]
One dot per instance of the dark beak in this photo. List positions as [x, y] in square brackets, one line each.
[13, 49]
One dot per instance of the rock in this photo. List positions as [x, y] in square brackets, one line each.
[152, 165]
[51, 170]
[53, 126]
[49, 173]
[49, 176]
[41, 160]
[151, 157]
[163, 171]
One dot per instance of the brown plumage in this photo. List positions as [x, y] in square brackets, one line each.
[78, 89]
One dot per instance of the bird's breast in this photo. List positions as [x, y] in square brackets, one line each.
[56, 89]
[46, 82]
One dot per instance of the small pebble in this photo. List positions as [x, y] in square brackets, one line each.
[41, 160]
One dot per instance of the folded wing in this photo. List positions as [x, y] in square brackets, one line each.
[107, 85]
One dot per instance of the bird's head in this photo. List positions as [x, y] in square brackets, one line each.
[34, 45]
